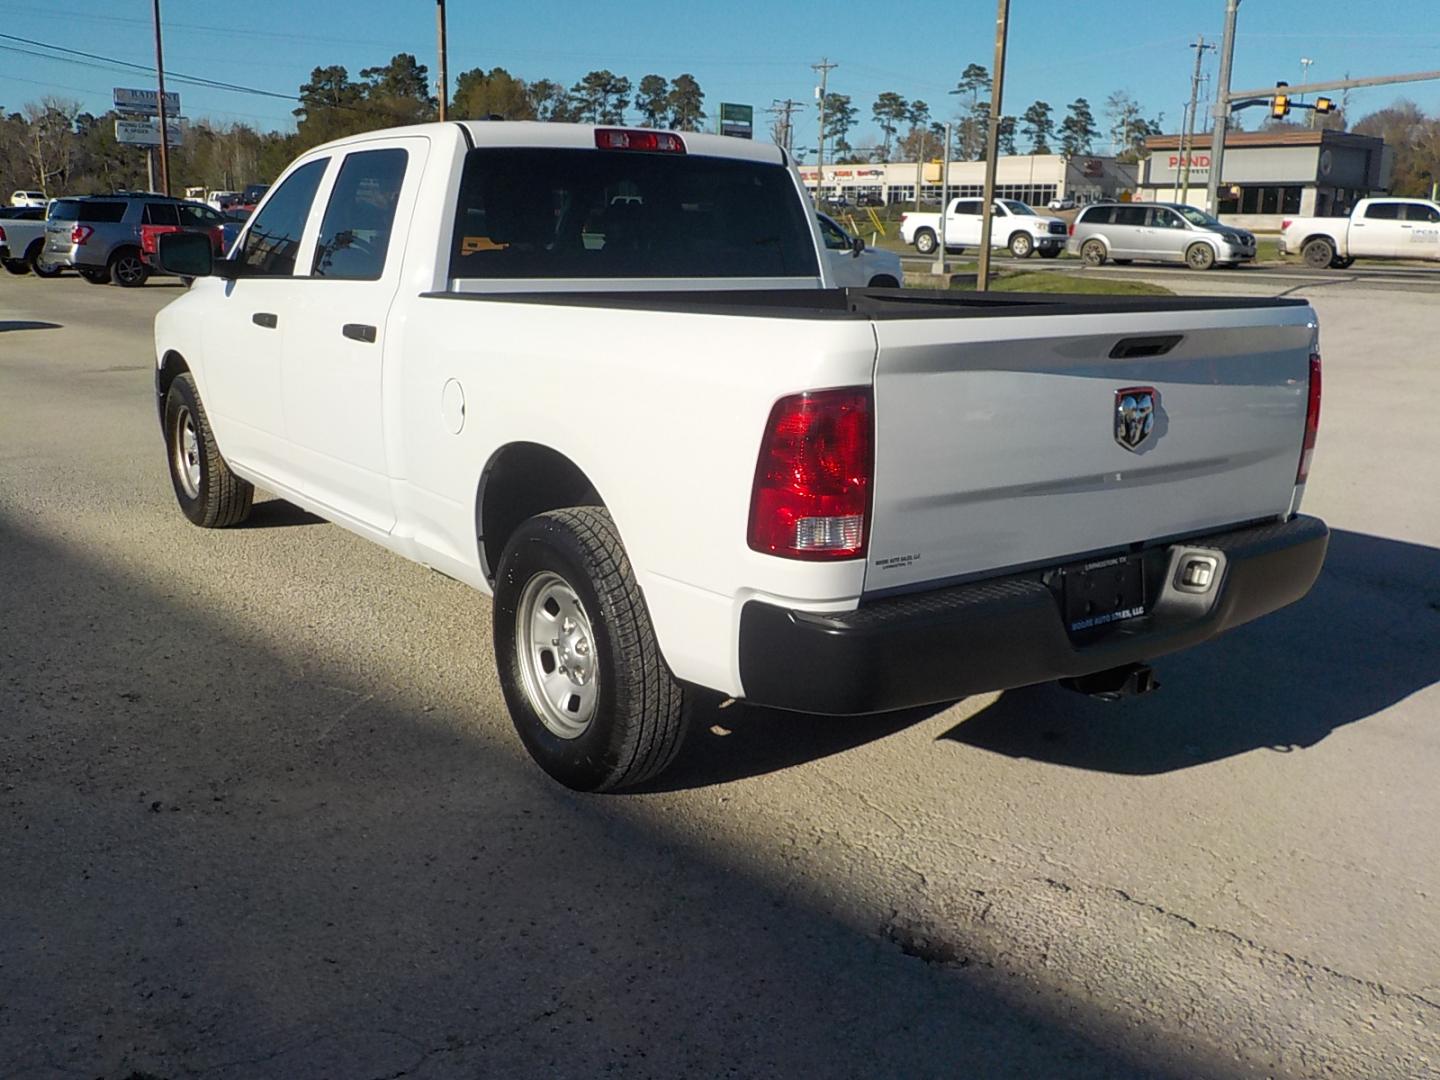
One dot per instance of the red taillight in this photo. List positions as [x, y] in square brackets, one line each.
[903, 218]
[80, 234]
[2, 235]
[1070, 229]
[811, 498]
[662, 142]
[1285, 223]
[1312, 420]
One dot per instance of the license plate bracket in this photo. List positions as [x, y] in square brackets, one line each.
[1103, 592]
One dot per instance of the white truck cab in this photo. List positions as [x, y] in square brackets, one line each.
[1378, 228]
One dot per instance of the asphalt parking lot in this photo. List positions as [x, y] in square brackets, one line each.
[265, 816]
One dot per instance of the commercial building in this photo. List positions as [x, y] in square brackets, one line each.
[1032, 178]
[1269, 175]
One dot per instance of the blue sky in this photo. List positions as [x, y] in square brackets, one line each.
[743, 50]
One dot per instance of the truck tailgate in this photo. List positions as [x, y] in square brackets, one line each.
[996, 444]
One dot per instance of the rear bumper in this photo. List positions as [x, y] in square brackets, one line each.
[925, 648]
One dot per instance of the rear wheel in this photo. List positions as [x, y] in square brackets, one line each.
[128, 268]
[209, 494]
[1093, 253]
[925, 242]
[1021, 245]
[588, 691]
[1200, 256]
[33, 257]
[1318, 253]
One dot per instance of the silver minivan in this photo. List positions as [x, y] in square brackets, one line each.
[1159, 232]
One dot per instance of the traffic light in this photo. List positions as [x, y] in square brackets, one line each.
[1324, 105]
[1280, 103]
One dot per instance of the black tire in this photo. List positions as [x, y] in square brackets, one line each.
[925, 242]
[1050, 253]
[15, 266]
[1093, 253]
[883, 281]
[127, 268]
[95, 275]
[1318, 253]
[1200, 257]
[209, 494]
[638, 720]
[1123, 262]
[32, 256]
[1342, 262]
[1021, 245]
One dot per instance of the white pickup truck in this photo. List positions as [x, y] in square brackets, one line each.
[1376, 229]
[1015, 226]
[600, 373]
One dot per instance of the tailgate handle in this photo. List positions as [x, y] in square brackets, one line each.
[1133, 348]
[265, 319]
[359, 332]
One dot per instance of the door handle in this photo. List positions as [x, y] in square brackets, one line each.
[265, 319]
[359, 332]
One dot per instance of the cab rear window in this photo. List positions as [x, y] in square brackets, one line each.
[572, 213]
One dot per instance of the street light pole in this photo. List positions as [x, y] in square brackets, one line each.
[1222, 108]
[160, 99]
[992, 144]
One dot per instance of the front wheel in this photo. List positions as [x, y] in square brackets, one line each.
[1021, 245]
[1093, 253]
[588, 691]
[925, 242]
[1050, 253]
[209, 494]
[37, 264]
[1319, 254]
[128, 268]
[884, 281]
[1200, 257]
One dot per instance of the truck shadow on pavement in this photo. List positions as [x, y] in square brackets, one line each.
[276, 513]
[1365, 638]
[230, 852]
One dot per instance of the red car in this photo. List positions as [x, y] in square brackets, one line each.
[163, 218]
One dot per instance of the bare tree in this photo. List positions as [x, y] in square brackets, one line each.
[51, 125]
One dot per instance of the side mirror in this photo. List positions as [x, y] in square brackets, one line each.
[857, 246]
[187, 254]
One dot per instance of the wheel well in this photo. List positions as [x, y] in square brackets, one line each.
[171, 368]
[522, 480]
[883, 281]
[1320, 236]
[1019, 232]
[36, 246]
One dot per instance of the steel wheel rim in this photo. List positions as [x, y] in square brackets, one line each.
[1091, 254]
[558, 661]
[187, 453]
[1022, 247]
[128, 268]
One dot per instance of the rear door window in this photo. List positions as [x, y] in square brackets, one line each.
[968, 206]
[161, 214]
[1420, 212]
[1128, 215]
[1382, 211]
[360, 216]
[573, 213]
[273, 239]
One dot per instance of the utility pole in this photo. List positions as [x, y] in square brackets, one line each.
[164, 127]
[992, 144]
[440, 46]
[823, 67]
[1222, 108]
[939, 267]
[1187, 144]
[786, 109]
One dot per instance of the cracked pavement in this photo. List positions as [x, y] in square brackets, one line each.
[264, 814]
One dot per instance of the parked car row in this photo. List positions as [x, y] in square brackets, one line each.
[105, 238]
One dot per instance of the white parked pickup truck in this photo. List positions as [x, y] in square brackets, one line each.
[1015, 226]
[601, 374]
[1376, 229]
